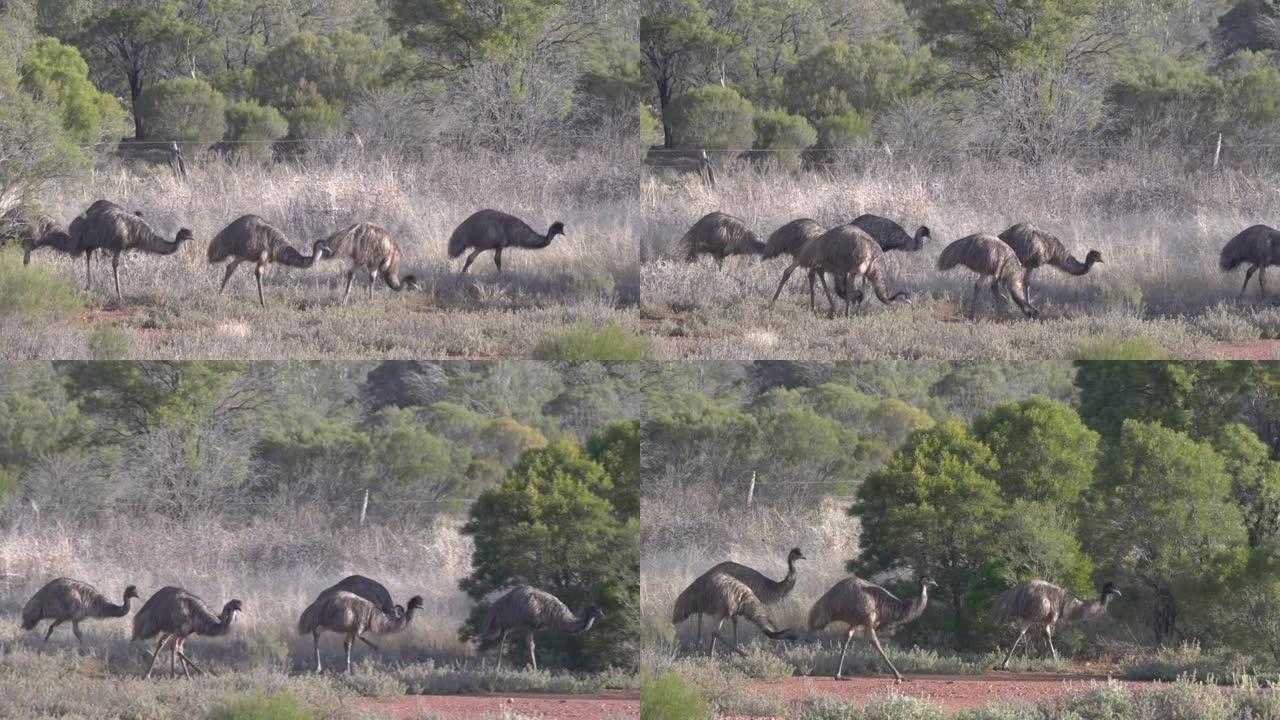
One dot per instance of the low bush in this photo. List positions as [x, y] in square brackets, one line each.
[669, 697]
[32, 293]
[260, 706]
[606, 342]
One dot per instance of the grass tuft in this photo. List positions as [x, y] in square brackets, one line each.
[670, 697]
[260, 706]
[33, 294]
[607, 342]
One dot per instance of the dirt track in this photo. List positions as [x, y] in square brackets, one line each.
[608, 705]
[953, 692]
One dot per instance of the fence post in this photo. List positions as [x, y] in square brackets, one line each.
[364, 507]
[1217, 152]
[751, 489]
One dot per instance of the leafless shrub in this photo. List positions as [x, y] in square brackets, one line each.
[922, 132]
[1034, 115]
[503, 105]
[393, 123]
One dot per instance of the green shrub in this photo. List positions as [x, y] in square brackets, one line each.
[183, 110]
[606, 342]
[56, 73]
[843, 130]
[252, 128]
[319, 121]
[902, 707]
[712, 117]
[260, 706]
[650, 127]
[669, 697]
[1111, 347]
[108, 342]
[34, 294]
[821, 707]
[783, 135]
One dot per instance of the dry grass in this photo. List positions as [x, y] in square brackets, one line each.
[1159, 233]
[275, 566]
[171, 306]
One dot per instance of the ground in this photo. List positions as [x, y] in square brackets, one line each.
[614, 705]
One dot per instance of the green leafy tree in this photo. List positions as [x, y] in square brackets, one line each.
[184, 110]
[135, 398]
[675, 35]
[785, 136]
[1165, 527]
[839, 78]
[33, 141]
[932, 509]
[251, 128]
[550, 524]
[712, 117]
[55, 73]
[464, 34]
[617, 448]
[1162, 95]
[1045, 452]
[846, 129]
[1255, 483]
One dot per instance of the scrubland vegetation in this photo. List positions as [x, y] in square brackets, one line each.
[1097, 121]
[1158, 476]
[249, 481]
[411, 115]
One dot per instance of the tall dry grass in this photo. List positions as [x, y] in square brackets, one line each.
[171, 303]
[1159, 231]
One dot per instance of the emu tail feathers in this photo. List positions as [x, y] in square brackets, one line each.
[310, 619]
[1234, 253]
[684, 606]
[951, 256]
[457, 243]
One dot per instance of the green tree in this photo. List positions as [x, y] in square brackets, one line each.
[464, 34]
[184, 110]
[712, 117]
[33, 142]
[674, 36]
[617, 448]
[55, 73]
[1165, 528]
[1045, 452]
[305, 453]
[134, 398]
[1255, 483]
[413, 465]
[1163, 95]
[843, 130]
[252, 128]
[932, 509]
[549, 524]
[785, 136]
[839, 78]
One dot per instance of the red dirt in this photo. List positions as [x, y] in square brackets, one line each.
[952, 692]
[1252, 350]
[606, 705]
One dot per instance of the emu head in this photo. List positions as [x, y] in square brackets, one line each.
[411, 281]
[131, 592]
[1109, 590]
[322, 249]
[231, 610]
[557, 228]
[594, 612]
[922, 234]
[928, 582]
[1093, 257]
[183, 235]
[794, 555]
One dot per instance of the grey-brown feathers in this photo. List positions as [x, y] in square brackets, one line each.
[178, 612]
[1036, 248]
[67, 599]
[768, 590]
[371, 248]
[253, 239]
[493, 229]
[721, 595]
[33, 229]
[371, 590]
[989, 256]
[345, 612]
[889, 235]
[848, 250]
[110, 227]
[720, 235]
[1036, 602]
[789, 238]
[1258, 245]
[527, 608]
[859, 603]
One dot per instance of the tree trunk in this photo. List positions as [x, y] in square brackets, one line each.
[664, 100]
[135, 91]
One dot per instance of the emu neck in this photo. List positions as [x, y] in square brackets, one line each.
[917, 606]
[1075, 267]
[584, 624]
[119, 610]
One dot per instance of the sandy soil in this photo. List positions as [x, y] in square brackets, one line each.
[953, 692]
[607, 705]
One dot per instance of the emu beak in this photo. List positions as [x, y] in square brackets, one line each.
[1116, 592]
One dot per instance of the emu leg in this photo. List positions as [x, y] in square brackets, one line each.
[366, 641]
[231, 268]
[154, 655]
[115, 273]
[75, 630]
[715, 635]
[53, 625]
[848, 638]
[502, 648]
[998, 302]
[1005, 665]
[186, 666]
[786, 275]
[734, 620]
[1048, 635]
[533, 657]
[373, 277]
[1262, 281]
[351, 277]
[315, 636]
[831, 313]
[497, 259]
[1247, 277]
[973, 308]
[470, 259]
[88, 270]
[183, 656]
[698, 643]
[173, 658]
[258, 271]
[346, 647]
[876, 641]
[1026, 282]
[812, 296]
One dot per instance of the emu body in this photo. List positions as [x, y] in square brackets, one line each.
[1036, 603]
[1036, 248]
[989, 257]
[722, 596]
[175, 614]
[862, 605]
[720, 235]
[529, 610]
[889, 235]
[108, 227]
[351, 615]
[249, 238]
[369, 248]
[495, 230]
[1257, 247]
[68, 600]
[850, 254]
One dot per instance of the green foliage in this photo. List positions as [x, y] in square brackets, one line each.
[260, 706]
[1160, 93]
[784, 135]
[603, 342]
[712, 117]
[550, 524]
[669, 697]
[34, 143]
[331, 70]
[183, 110]
[843, 130]
[840, 79]
[465, 34]
[32, 294]
[650, 127]
[1255, 482]
[1045, 452]
[1109, 347]
[617, 448]
[55, 73]
[138, 397]
[251, 128]
[992, 39]
[108, 342]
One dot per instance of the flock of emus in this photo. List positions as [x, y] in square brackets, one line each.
[855, 251]
[731, 590]
[109, 228]
[354, 606]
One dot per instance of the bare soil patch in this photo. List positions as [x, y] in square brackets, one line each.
[605, 705]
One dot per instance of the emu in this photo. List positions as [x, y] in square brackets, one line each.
[371, 248]
[33, 229]
[175, 614]
[495, 230]
[1036, 603]
[843, 251]
[249, 238]
[111, 228]
[1035, 248]
[767, 590]
[860, 604]
[351, 615]
[720, 235]
[789, 238]
[1259, 246]
[724, 597]
[529, 610]
[889, 235]
[64, 599]
[989, 257]
[371, 590]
